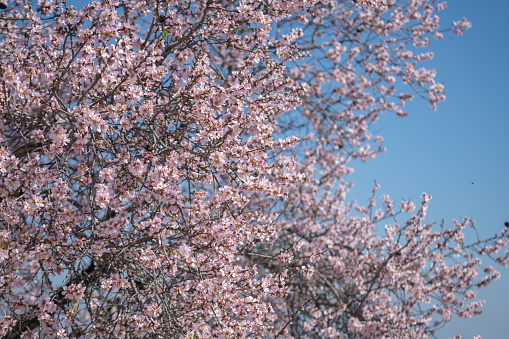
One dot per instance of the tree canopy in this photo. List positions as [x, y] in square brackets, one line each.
[178, 169]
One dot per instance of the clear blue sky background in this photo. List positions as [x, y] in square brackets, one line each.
[466, 140]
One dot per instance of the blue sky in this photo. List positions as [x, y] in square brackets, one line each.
[466, 140]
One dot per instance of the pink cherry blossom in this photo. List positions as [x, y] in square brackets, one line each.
[179, 169]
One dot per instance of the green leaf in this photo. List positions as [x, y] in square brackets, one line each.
[165, 34]
[195, 336]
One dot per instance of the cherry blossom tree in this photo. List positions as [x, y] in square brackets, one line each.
[177, 169]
